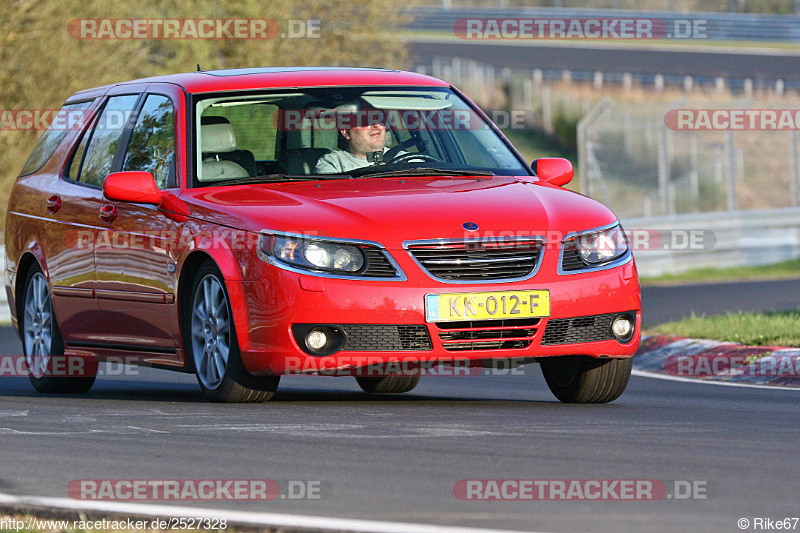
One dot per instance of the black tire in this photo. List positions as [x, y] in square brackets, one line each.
[579, 379]
[392, 384]
[48, 383]
[236, 384]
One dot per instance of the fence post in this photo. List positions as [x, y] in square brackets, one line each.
[694, 177]
[664, 170]
[794, 173]
[547, 110]
[730, 153]
[583, 143]
[582, 160]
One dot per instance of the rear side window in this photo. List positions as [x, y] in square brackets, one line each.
[99, 156]
[152, 146]
[68, 117]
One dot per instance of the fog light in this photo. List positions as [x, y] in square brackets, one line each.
[316, 340]
[622, 328]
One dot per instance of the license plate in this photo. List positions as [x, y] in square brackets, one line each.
[457, 306]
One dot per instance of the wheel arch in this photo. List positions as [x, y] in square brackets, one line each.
[28, 259]
[185, 280]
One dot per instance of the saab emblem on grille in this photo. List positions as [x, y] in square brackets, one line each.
[469, 226]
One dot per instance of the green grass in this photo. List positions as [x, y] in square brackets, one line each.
[784, 270]
[777, 328]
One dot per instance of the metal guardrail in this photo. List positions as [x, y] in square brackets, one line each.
[741, 238]
[721, 26]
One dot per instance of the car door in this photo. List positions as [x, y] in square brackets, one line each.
[136, 244]
[71, 211]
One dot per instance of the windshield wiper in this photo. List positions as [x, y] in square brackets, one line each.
[275, 178]
[425, 171]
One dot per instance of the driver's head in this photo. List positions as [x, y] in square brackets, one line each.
[365, 131]
[363, 139]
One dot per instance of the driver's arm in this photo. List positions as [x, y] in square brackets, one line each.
[327, 165]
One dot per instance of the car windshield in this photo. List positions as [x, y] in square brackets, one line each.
[343, 132]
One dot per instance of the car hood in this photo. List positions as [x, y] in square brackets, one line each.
[391, 210]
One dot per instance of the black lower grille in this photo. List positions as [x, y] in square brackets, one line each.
[486, 345]
[386, 337]
[570, 258]
[578, 329]
[487, 334]
[378, 265]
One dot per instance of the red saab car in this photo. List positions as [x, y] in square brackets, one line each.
[246, 224]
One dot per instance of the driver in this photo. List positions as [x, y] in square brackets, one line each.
[361, 140]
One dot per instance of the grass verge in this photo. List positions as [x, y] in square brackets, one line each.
[784, 270]
[777, 328]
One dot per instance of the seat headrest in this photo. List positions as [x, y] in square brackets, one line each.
[214, 170]
[214, 119]
[217, 138]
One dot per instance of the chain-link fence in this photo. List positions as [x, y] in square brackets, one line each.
[635, 164]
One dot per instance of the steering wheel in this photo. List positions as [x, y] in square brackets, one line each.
[391, 153]
[408, 156]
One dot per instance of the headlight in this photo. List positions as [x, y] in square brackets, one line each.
[602, 246]
[314, 255]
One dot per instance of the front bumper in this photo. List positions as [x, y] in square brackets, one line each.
[266, 310]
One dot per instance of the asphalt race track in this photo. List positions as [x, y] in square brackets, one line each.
[397, 458]
[675, 61]
[663, 304]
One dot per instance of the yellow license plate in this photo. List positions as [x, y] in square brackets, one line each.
[456, 306]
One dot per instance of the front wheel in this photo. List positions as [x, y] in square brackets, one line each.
[214, 348]
[579, 379]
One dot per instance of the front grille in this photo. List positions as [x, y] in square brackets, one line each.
[470, 335]
[570, 258]
[578, 329]
[378, 265]
[478, 261]
[386, 337]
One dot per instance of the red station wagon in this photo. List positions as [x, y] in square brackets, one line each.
[251, 223]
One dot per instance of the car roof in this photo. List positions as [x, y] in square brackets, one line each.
[271, 77]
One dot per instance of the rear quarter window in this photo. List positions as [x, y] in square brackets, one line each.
[66, 118]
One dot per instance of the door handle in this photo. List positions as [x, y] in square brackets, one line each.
[54, 203]
[108, 213]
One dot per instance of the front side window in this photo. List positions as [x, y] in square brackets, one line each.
[152, 145]
[354, 131]
[102, 146]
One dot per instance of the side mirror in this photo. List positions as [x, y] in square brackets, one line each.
[132, 186]
[553, 170]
